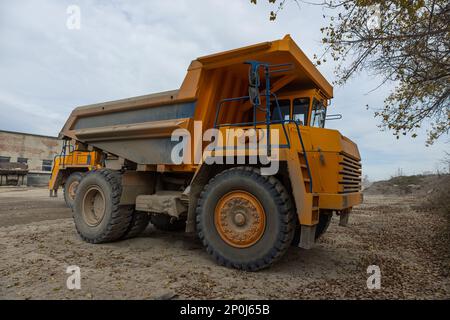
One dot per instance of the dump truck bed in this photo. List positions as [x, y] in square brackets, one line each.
[147, 122]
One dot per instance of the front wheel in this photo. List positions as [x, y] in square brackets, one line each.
[244, 219]
[70, 188]
[321, 227]
[324, 223]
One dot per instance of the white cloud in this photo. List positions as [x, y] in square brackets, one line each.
[128, 48]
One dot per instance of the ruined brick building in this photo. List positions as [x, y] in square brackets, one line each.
[35, 151]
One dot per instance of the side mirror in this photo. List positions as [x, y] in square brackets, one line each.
[333, 117]
[253, 93]
[254, 82]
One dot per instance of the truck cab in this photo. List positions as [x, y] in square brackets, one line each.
[306, 107]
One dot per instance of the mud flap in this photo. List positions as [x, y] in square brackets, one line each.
[343, 218]
[307, 236]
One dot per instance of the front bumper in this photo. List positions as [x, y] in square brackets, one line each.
[335, 201]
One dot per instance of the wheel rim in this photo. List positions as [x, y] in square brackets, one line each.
[73, 189]
[240, 219]
[94, 206]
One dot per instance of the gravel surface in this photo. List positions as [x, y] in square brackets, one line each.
[38, 242]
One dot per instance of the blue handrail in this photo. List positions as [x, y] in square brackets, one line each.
[255, 65]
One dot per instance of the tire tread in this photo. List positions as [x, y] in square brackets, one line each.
[120, 216]
[286, 216]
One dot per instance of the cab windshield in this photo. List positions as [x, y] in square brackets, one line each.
[318, 114]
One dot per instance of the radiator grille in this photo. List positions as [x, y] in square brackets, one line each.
[349, 174]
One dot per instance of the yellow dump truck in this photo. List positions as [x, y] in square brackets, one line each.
[69, 168]
[239, 154]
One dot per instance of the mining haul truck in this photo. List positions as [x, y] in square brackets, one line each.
[239, 155]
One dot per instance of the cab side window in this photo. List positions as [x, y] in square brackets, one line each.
[300, 110]
[318, 114]
[285, 108]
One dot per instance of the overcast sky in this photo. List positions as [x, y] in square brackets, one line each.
[129, 48]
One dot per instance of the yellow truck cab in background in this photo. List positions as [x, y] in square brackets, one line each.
[68, 169]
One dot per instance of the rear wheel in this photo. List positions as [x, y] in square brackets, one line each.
[139, 222]
[245, 220]
[70, 188]
[165, 222]
[98, 215]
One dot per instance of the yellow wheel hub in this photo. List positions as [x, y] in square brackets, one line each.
[73, 189]
[240, 219]
[94, 206]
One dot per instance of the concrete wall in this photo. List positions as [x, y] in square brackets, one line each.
[38, 179]
[33, 147]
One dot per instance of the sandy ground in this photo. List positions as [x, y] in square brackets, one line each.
[38, 242]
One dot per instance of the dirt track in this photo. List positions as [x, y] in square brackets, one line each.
[38, 242]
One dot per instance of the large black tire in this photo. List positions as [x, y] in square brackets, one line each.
[139, 222]
[321, 227]
[165, 222]
[276, 207]
[101, 189]
[70, 188]
[324, 223]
